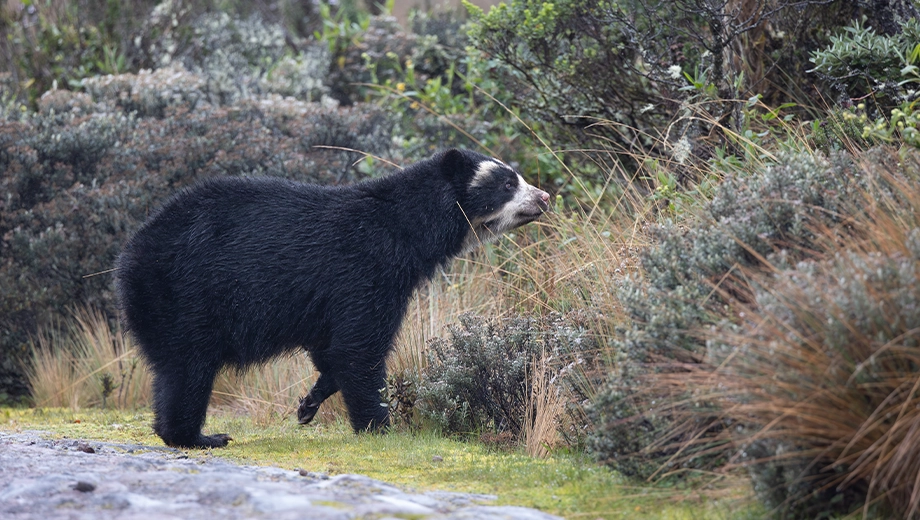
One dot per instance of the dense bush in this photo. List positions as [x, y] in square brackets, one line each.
[422, 74]
[364, 56]
[825, 372]
[637, 65]
[881, 72]
[478, 379]
[376, 51]
[43, 43]
[571, 62]
[846, 330]
[64, 42]
[240, 58]
[687, 278]
[749, 218]
[860, 61]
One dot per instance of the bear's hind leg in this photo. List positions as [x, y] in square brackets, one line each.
[309, 405]
[180, 404]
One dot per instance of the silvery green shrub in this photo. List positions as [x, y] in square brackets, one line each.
[861, 310]
[860, 60]
[478, 377]
[236, 57]
[686, 271]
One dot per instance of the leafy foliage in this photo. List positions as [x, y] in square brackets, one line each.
[635, 65]
[63, 42]
[860, 61]
[571, 62]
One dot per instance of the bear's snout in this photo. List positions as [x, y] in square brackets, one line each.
[543, 201]
[538, 201]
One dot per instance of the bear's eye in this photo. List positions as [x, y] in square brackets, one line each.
[508, 186]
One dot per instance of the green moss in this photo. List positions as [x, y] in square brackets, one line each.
[563, 484]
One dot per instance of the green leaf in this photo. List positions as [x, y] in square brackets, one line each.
[914, 55]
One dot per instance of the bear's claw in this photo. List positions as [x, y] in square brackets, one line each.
[306, 411]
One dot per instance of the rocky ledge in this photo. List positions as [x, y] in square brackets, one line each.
[74, 479]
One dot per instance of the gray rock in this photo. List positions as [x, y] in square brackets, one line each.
[78, 480]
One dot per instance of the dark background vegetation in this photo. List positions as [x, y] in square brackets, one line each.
[775, 142]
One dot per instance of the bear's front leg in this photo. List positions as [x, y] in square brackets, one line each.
[361, 391]
[322, 389]
[180, 403]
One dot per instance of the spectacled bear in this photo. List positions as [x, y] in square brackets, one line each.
[235, 270]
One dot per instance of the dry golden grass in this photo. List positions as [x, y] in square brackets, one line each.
[825, 360]
[68, 368]
[269, 392]
[544, 409]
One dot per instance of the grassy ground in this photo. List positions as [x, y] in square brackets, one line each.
[563, 484]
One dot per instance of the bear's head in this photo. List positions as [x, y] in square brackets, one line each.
[493, 196]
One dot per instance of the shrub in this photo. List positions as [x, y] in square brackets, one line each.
[689, 274]
[844, 334]
[239, 57]
[808, 376]
[148, 93]
[364, 55]
[749, 218]
[480, 378]
[860, 61]
[623, 431]
[60, 42]
[444, 95]
[570, 62]
[900, 125]
[377, 51]
[824, 377]
[301, 77]
[231, 45]
[878, 68]
[636, 64]
[441, 43]
[476, 380]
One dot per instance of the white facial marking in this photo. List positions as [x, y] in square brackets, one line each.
[483, 170]
[522, 208]
[507, 216]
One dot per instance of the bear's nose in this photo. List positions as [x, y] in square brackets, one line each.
[544, 200]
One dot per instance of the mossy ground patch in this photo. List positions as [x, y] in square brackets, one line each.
[565, 484]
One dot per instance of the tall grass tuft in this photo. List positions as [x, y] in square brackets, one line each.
[87, 363]
[817, 376]
[544, 410]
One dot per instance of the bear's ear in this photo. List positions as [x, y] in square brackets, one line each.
[454, 164]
